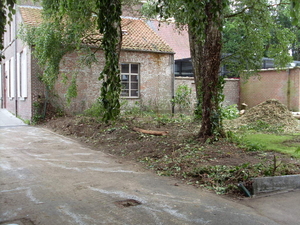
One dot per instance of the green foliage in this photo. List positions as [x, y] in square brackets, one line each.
[6, 12]
[50, 45]
[182, 97]
[220, 178]
[72, 89]
[257, 141]
[37, 112]
[262, 126]
[96, 110]
[294, 13]
[280, 143]
[253, 33]
[135, 110]
[230, 112]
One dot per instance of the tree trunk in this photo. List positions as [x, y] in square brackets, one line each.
[109, 22]
[206, 59]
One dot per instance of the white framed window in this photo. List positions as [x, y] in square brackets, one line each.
[7, 77]
[12, 77]
[22, 74]
[130, 80]
[9, 70]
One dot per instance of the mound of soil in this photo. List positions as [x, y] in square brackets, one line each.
[273, 113]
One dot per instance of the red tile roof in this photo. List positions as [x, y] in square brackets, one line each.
[31, 15]
[177, 39]
[137, 35]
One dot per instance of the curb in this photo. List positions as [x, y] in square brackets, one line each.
[265, 185]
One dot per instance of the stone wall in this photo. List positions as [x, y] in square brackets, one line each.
[155, 80]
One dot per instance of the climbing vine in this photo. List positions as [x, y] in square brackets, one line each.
[109, 23]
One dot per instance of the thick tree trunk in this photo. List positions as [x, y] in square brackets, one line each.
[206, 56]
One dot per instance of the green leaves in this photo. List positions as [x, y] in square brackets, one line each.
[295, 12]
[109, 24]
[6, 12]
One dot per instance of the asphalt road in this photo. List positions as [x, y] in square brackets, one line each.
[46, 179]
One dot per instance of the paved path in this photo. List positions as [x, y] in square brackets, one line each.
[49, 179]
[8, 119]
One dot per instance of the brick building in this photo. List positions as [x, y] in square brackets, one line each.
[146, 64]
[19, 83]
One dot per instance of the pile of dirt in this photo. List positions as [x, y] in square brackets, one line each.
[271, 112]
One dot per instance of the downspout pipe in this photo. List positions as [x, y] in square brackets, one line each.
[16, 61]
[289, 89]
[173, 82]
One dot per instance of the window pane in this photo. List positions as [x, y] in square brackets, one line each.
[125, 68]
[125, 85]
[134, 68]
[187, 67]
[134, 85]
[134, 93]
[134, 78]
[124, 77]
[177, 67]
[125, 93]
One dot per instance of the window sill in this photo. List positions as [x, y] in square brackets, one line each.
[125, 97]
[22, 98]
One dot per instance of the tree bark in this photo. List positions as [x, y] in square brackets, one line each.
[206, 59]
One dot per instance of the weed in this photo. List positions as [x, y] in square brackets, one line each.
[182, 97]
[96, 110]
[230, 112]
[297, 151]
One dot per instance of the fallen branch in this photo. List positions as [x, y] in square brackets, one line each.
[153, 132]
[297, 117]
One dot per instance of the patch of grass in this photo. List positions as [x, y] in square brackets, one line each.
[275, 142]
[262, 126]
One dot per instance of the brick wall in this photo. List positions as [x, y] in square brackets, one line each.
[282, 85]
[155, 80]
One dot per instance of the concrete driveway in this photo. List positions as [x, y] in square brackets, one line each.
[46, 179]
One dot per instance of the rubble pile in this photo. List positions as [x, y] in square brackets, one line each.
[271, 112]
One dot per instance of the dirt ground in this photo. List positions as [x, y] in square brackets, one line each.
[179, 151]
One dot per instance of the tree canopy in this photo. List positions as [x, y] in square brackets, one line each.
[238, 32]
[6, 12]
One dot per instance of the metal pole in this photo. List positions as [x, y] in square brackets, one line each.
[16, 61]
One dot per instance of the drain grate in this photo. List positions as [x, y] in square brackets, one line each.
[127, 203]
